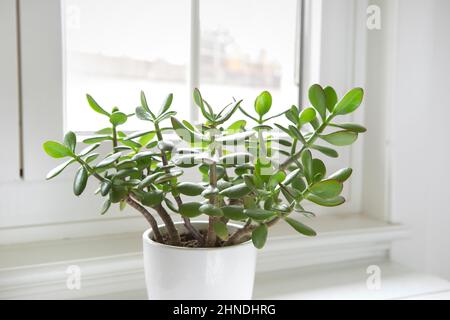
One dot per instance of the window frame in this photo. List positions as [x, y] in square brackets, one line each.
[46, 79]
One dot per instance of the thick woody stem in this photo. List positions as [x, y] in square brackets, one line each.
[170, 226]
[246, 230]
[187, 221]
[147, 216]
[211, 235]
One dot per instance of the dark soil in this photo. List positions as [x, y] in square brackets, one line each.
[188, 241]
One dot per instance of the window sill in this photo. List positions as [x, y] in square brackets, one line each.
[38, 269]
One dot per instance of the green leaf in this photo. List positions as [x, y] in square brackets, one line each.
[326, 189]
[89, 149]
[259, 236]
[118, 118]
[145, 106]
[132, 144]
[319, 170]
[126, 164]
[57, 150]
[190, 209]
[276, 178]
[306, 158]
[200, 102]
[109, 160]
[57, 170]
[285, 130]
[236, 191]
[152, 198]
[168, 176]
[105, 187]
[332, 202]
[139, 134]
[125, 173]
[259, 214]
[298, 184]
[97, 139]
[318, 99]
[190, 188]
[249, 181]
[106, 205]
[307, 115]
[104, 131]
[80, 181]
[263, 103]
[95, 106]
[185, 133]
[220, 228]
[350, 102]
[291, 176]
[117, 193]
[70, 140]
[237, 126]
[234, 212]
[300, 227]
[166, 105]
[142, 114]
[326, 151]
[292, 115]
[341, 175]
[350, 127]
[149, 180]
[229, 113]
[340, 138]
[330, 97]
[211, 210]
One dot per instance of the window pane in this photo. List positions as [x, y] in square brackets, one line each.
[116, 48]
[247, 47]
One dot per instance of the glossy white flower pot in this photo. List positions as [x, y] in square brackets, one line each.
[198, 273]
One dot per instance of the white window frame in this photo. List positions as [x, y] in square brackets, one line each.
[54, 211]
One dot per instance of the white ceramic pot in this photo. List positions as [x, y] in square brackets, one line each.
[198, 273]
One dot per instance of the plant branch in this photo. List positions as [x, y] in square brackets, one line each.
[187, 222]
[211, 235]
[170, 226]
[310, 141]
[239, 233]
[147, 216]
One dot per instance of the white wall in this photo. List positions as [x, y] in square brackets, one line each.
[409, 72]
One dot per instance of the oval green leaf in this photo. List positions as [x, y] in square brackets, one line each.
[259, 236]
[234, 212]
[190, 188]
[318, 100]
[57, 150]
[350, 102]
[190, 209]
[236, 191]
[80, 181]
[300, 227]
[326, 189]
[263, 103]
[211, 210]
[340, 138]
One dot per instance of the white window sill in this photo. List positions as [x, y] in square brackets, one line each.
[345, 281]
[113, 264]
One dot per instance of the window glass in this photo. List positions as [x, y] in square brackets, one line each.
[247, 47]
[113, 49]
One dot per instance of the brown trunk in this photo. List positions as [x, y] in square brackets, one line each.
[147, 216]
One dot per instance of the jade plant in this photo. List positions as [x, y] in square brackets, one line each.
[254, 175]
